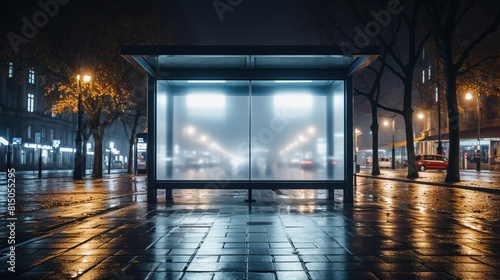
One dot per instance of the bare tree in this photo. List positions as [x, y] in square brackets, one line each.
[371, 92]
[448, 19]
[397, 28]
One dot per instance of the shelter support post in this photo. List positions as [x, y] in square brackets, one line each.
[151, 150]
[250, 198]
[349, 138]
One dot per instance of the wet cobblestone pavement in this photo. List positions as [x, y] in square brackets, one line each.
[394, 230]
[470, 179]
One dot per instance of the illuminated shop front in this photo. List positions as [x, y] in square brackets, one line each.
[249, 118]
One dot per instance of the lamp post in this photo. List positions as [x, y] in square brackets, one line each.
[78, 171]
[420, 116]
[468, 96]
[111, 145]
[357, 133]
[393, 165]
[5, 144]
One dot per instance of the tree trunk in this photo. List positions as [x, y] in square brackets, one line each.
[408, 119]
[453, 172]
[410, 146]
[97, 163]
[374, 127]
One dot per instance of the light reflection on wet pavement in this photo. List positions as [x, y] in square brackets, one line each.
[103, 229]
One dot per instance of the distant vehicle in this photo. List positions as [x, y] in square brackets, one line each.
[425, 162]
[195, 162]
[306, 164]
[384, 162]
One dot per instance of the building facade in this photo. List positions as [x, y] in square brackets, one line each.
[30, 131]
[479, 122]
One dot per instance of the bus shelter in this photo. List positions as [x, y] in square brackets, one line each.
[249, 117]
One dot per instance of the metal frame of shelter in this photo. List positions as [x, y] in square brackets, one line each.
[248, 63]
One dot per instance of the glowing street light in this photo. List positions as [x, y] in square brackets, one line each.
[469, 96]
[386, 123]
[78, 171]
[357, 133]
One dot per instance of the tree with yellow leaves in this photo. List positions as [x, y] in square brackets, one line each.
[85, 38]
[102, 103]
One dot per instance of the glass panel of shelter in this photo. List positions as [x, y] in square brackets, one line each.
[250, 130]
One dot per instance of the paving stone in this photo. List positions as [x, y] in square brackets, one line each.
[224, 240]
[260, 266]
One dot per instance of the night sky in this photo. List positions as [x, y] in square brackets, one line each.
[256, 22]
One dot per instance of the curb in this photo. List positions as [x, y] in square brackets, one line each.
[479, 189]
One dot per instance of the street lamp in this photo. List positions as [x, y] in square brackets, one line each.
[468, 96]
[386, 123]
[5, 143]
[420, 117]
[357, 133]
[111, 145]
[78, 171]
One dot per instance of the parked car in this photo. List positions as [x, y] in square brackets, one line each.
[384, 162]
[425, 162]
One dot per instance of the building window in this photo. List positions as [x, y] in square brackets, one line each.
[11, 69]
[31, 102]
[54, 115]
[430, 73]
[31, 76]
[51, 136]
[29, 131]
[423, 76]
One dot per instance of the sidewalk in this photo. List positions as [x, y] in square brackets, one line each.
[485, 181]
[46, 174]
[394, 230]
